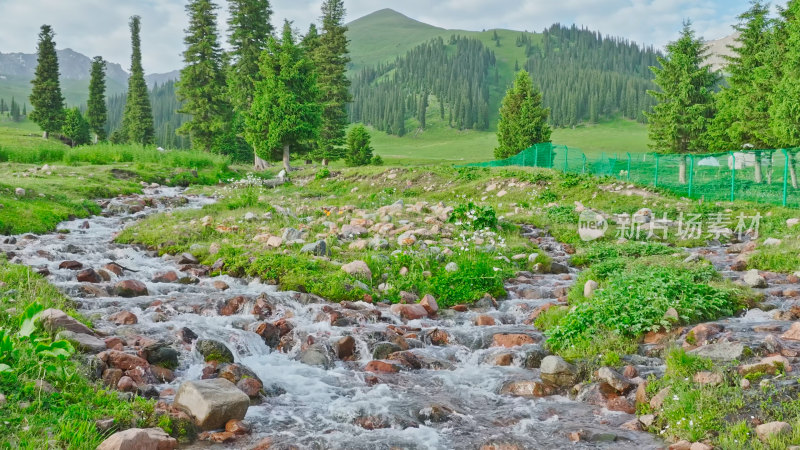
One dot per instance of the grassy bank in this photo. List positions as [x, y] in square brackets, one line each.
[48, 400]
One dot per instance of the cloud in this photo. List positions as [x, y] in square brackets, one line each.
[99, 27]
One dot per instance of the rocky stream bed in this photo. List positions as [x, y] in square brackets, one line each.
[359, 375]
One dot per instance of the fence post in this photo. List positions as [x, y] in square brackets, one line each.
[566, 159]
[733, 176]
[655, 182]
[785, 176]
[691, 175]
[584, 163]
[629, 167]
[524, 152]
[536, 156]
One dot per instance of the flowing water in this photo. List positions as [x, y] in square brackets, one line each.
[319, 407]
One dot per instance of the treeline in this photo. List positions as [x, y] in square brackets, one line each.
[458, 73]
[166, 118]
[585, 77]
[13, 109]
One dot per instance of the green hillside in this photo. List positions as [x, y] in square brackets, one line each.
[75, 92]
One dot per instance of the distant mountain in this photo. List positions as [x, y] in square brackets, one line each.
[161, 78]
[719, 48]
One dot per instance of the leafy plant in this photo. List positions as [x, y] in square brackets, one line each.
[471, 216]
[322, 174]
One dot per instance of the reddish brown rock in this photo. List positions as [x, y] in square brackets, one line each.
[381, 367]
[641, 394]
[620, 404]
[740, 265]
[221, 437]
[345, 347]
[162, 374]
[527, 388]
[70, 265]
[232, 306]
[114, 268]
[130, 288]
[701, 334]
[111, 377]
[139, 439]
[121, 360]
[630, 372]
[371, 422]
[166, 277]
[430, 305]
[793, 334]
[221, 285]
[537, 312]
[261, 308]
[708, 378]
[503, 359]
[126, 384]
[250, 386]
[511, 340]
[409, 311]
[114, 343]
[237, 427]
[89, 276]
[484, 321]
[460, 308]
[124, 318]
[439, 337]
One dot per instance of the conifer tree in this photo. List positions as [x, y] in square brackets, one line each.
[286, 112]
[46, 98]
[742, 116]
[685, 106]
[331, 58]
[96, 109]
[3, 107]
[75, 127]
[202, 84]
[784, 113]
[249, 32]
[359, 150]
[523, 119]
[14, 110]
[137, 121]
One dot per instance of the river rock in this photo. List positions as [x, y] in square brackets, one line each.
[765, 430]
[409, 312]
[527, 389]
[83, 342]
[589, 288]
[166, 277]
[187, 258]
[121, 360]
[139, 439]
[214, 351]
[319, 248]
[212, 403]
[70, 265]
[89, 276]
[124, 318]
[613, 378]
[345, 347]
[429, 303]
[381, 367]
[484, 321]
[793, 334]
[130, 288]
[770, 365]
[382, 350]
[357, 268]
[754, 279]
[54, 320]
[708, 378]
[510, 340]
[558, 372]
[161, 354]
[720, 351]
[558, 268]
[316, 355]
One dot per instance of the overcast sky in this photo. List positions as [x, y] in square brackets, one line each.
[99, 27]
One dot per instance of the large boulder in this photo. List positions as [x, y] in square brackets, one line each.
[139, 439]
[319, 248]
[212, 403]
[754, 279]
[214, 351]
[720, 351]
[83, 342]
[556, 371]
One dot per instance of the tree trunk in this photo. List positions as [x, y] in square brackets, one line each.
[682, 170]
[45, 135]
[259, 164]
[759, 176]
[770, 168]
[286, 159]
[325, 162]
[95, 138]
[792, 170]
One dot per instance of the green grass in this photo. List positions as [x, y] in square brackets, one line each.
[34, 419]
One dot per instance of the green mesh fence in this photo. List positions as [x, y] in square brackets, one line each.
[768, 176]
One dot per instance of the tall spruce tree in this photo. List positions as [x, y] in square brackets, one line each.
[784, 113]
[137, 121]
[286, 112]
[96, 109]
[75, 127]
[46, 98]
[14, 110]
[742, 116]
[330, 59]
[523, 119]
[249, 32]
[202, 84]
[685, 106]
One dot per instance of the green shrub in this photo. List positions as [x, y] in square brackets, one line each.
[602, 251]
[474, 217]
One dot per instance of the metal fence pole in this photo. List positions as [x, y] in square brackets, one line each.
[566, 159]
[691, 175]
[655, 181]
[536, 156]
[785, 176]
[524, 152]
[629, 166]
[733, 176]
[584, 163]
